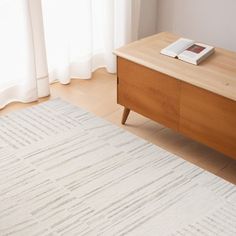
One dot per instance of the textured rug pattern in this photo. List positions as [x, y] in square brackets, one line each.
[64, 171]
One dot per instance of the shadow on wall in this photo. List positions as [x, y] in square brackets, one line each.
[148, 18]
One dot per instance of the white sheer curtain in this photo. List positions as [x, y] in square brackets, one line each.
[81, 35]
[23, 67]
[61, 38]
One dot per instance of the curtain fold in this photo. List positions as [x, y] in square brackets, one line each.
[36, 19]
[55, 40]
[23, 71]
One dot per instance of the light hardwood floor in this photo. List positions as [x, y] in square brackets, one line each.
[98, 95]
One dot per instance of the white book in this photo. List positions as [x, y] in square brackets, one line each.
[188, 50]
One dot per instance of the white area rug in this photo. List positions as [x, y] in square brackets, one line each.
[64, 171]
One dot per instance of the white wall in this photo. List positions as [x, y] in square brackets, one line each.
[209, 21]
[148, 18]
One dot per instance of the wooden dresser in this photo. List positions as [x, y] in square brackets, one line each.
[197, 101]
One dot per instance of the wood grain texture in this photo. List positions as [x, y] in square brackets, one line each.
[208, 118]
[149, 93]
[195, 112]
[216, 74]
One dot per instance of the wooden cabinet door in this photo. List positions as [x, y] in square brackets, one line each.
[149, 93]
[208, 118]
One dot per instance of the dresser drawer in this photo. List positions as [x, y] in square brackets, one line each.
[208, 118]
[148, 92]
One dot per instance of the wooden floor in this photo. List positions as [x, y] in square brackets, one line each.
[98, 95]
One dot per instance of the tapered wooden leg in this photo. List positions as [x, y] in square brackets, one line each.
[125, 115]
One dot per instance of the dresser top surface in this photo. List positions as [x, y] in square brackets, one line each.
[216, 74]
